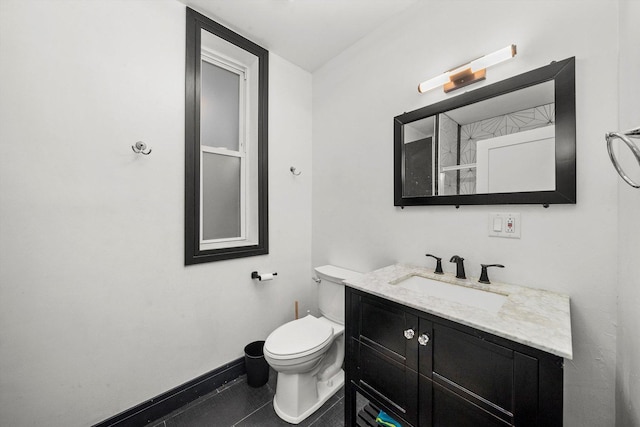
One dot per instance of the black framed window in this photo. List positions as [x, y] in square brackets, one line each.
[226, 143]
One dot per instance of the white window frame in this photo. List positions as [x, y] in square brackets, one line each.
[226, 63]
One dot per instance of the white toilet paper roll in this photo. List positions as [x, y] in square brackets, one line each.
[265, 276]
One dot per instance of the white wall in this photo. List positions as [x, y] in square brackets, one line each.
[97, 311]
[628, 341]
[570, 249]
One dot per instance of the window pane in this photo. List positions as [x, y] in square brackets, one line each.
[219, 107]
[221, 213]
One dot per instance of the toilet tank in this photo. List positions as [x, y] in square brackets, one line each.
[331, 291]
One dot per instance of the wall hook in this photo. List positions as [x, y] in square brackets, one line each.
[141, 147]
[293, 171]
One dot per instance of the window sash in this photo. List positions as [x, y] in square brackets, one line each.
[225, 63]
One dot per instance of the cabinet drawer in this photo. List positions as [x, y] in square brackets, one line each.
[392, 383]
[475, 365]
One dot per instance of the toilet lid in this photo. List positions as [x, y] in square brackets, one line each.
[299, 336]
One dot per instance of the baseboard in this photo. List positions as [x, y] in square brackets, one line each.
[173, 399]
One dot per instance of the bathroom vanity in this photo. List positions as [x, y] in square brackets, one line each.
[432, 357]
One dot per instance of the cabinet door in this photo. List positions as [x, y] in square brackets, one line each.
[475, 367]
[502, 384]
[386, 380]
[389, 330]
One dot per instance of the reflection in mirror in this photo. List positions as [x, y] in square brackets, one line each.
[226, 144]
[478, 156]
[419, 155]
[498, 144]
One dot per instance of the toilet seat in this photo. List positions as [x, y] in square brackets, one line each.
[298, 338]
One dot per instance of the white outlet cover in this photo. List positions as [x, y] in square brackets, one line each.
[507, 231]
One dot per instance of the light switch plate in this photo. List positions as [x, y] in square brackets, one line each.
[507, 225]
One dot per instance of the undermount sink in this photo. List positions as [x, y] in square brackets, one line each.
[485, 300]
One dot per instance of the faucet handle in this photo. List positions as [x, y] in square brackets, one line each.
[438, 264]
[484, 277]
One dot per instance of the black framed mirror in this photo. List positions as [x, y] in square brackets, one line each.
[512, 142]
[226, 200]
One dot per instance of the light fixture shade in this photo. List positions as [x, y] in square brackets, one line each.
[433, 83]
[493, 58]
[469, 73]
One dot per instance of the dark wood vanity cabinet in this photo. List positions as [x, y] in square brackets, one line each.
[428, 371]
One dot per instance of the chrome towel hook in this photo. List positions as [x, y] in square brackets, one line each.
[625, 137]
[141, 147]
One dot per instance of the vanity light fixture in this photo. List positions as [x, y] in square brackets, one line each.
[468, 73]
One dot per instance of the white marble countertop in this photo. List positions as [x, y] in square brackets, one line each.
[534, 317]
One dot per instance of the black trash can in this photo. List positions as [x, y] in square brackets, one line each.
[257, 366]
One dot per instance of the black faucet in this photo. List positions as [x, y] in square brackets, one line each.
[484, 277]
[438, 264]
[459, 266]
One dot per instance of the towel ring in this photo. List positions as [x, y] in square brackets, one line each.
[624, 136]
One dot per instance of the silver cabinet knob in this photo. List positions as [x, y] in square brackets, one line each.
[423, 339]
[409, 333]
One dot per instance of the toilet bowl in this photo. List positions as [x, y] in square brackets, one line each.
[308, 353]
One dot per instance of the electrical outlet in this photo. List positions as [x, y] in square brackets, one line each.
[506, 225]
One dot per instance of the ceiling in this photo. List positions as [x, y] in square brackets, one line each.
[306, 32]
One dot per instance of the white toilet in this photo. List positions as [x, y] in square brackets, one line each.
[308, 353]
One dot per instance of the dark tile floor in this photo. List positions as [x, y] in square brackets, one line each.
[237, 404]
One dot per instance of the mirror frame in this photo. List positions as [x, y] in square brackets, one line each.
[562, 73]
[193, 254]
